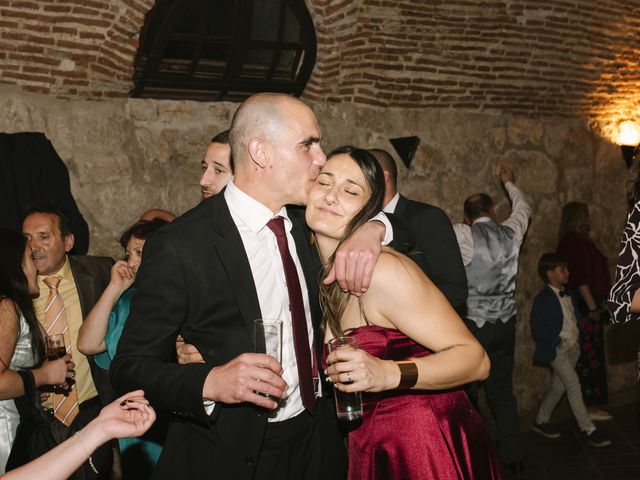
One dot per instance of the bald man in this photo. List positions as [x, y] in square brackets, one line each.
[435, 248]
[207, 276]
[153, 213]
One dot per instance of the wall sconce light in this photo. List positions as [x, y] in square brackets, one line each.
[629, 140]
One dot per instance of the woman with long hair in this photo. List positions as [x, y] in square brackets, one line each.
[414, 352]
[22, 343]
[100, 333]
[589, 277]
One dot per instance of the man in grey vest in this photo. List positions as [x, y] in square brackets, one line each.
[490, 255]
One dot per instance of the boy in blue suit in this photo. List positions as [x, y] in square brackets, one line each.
[555, 330]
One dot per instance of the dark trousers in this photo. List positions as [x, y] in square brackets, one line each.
[103, 457]
[287, 450]
[498, 340]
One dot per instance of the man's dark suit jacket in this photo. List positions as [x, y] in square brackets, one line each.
[546, 323]
[92, 275]
[435, 248]
[195, 280]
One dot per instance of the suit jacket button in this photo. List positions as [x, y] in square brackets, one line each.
[249, 460]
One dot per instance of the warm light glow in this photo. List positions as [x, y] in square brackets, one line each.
[629, 133]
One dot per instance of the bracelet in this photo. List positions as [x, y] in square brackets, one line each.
[594, 310]
[408, 375]
[93, 467]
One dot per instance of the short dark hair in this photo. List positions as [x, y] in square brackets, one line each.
[142, 230]
[64, 223]
[549, 261]
[222, 137]
[387, 163]
[478, 205]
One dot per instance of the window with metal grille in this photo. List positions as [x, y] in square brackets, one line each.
[224, 49]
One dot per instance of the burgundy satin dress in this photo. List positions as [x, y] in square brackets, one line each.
[416, 435]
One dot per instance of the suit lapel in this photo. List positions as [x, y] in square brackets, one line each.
[230, 251]
[84, 285]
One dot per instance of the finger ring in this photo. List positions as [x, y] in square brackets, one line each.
[349, 377]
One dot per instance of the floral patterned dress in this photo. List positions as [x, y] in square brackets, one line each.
[627, 272]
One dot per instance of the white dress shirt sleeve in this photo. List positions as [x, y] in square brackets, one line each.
[388, 234]
[209, 405]
[520, 210]
[465, 242]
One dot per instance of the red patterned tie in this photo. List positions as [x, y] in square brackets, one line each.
[299, 320]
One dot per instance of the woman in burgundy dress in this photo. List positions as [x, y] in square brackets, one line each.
[589, 277]
[414, 351]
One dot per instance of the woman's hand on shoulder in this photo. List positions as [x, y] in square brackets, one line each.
[354, 370]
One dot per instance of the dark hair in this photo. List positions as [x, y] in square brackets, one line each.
[333, 300]
[48, 207]
[477, 205]
[142, 230]
[549, 261]
[574, 218]
[14, 284]
[222, 137]
[386, 162]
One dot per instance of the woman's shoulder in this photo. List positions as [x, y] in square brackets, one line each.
[393, 266]
[8, 309]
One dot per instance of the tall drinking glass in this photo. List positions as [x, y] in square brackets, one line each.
[268, 335]
[348, 404]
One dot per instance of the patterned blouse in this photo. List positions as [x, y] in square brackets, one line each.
[627, 271]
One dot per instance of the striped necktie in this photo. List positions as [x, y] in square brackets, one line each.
[65, 406]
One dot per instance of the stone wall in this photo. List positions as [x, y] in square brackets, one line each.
[560, 58]
[125, 156]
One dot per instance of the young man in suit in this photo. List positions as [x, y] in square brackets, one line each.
[82, 279]
[207, 276]
[554, 325]
[435, 248]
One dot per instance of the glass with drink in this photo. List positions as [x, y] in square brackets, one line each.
[268, 335]
[56, 349]
[348, 404]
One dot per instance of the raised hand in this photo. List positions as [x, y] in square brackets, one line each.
[122, 276]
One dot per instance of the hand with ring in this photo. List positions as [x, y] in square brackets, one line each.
[354, 370]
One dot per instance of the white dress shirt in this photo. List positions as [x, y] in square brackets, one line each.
[393, 203]
[261, 247]
[518, 221]
[569, 333]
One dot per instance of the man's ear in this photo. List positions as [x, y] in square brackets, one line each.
[257, 152]
[386, 176]
[69, 240]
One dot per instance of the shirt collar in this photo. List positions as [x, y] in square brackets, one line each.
[393, 203]
[556, 290]
[64, 271]
[249, 211]
[482, 219]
